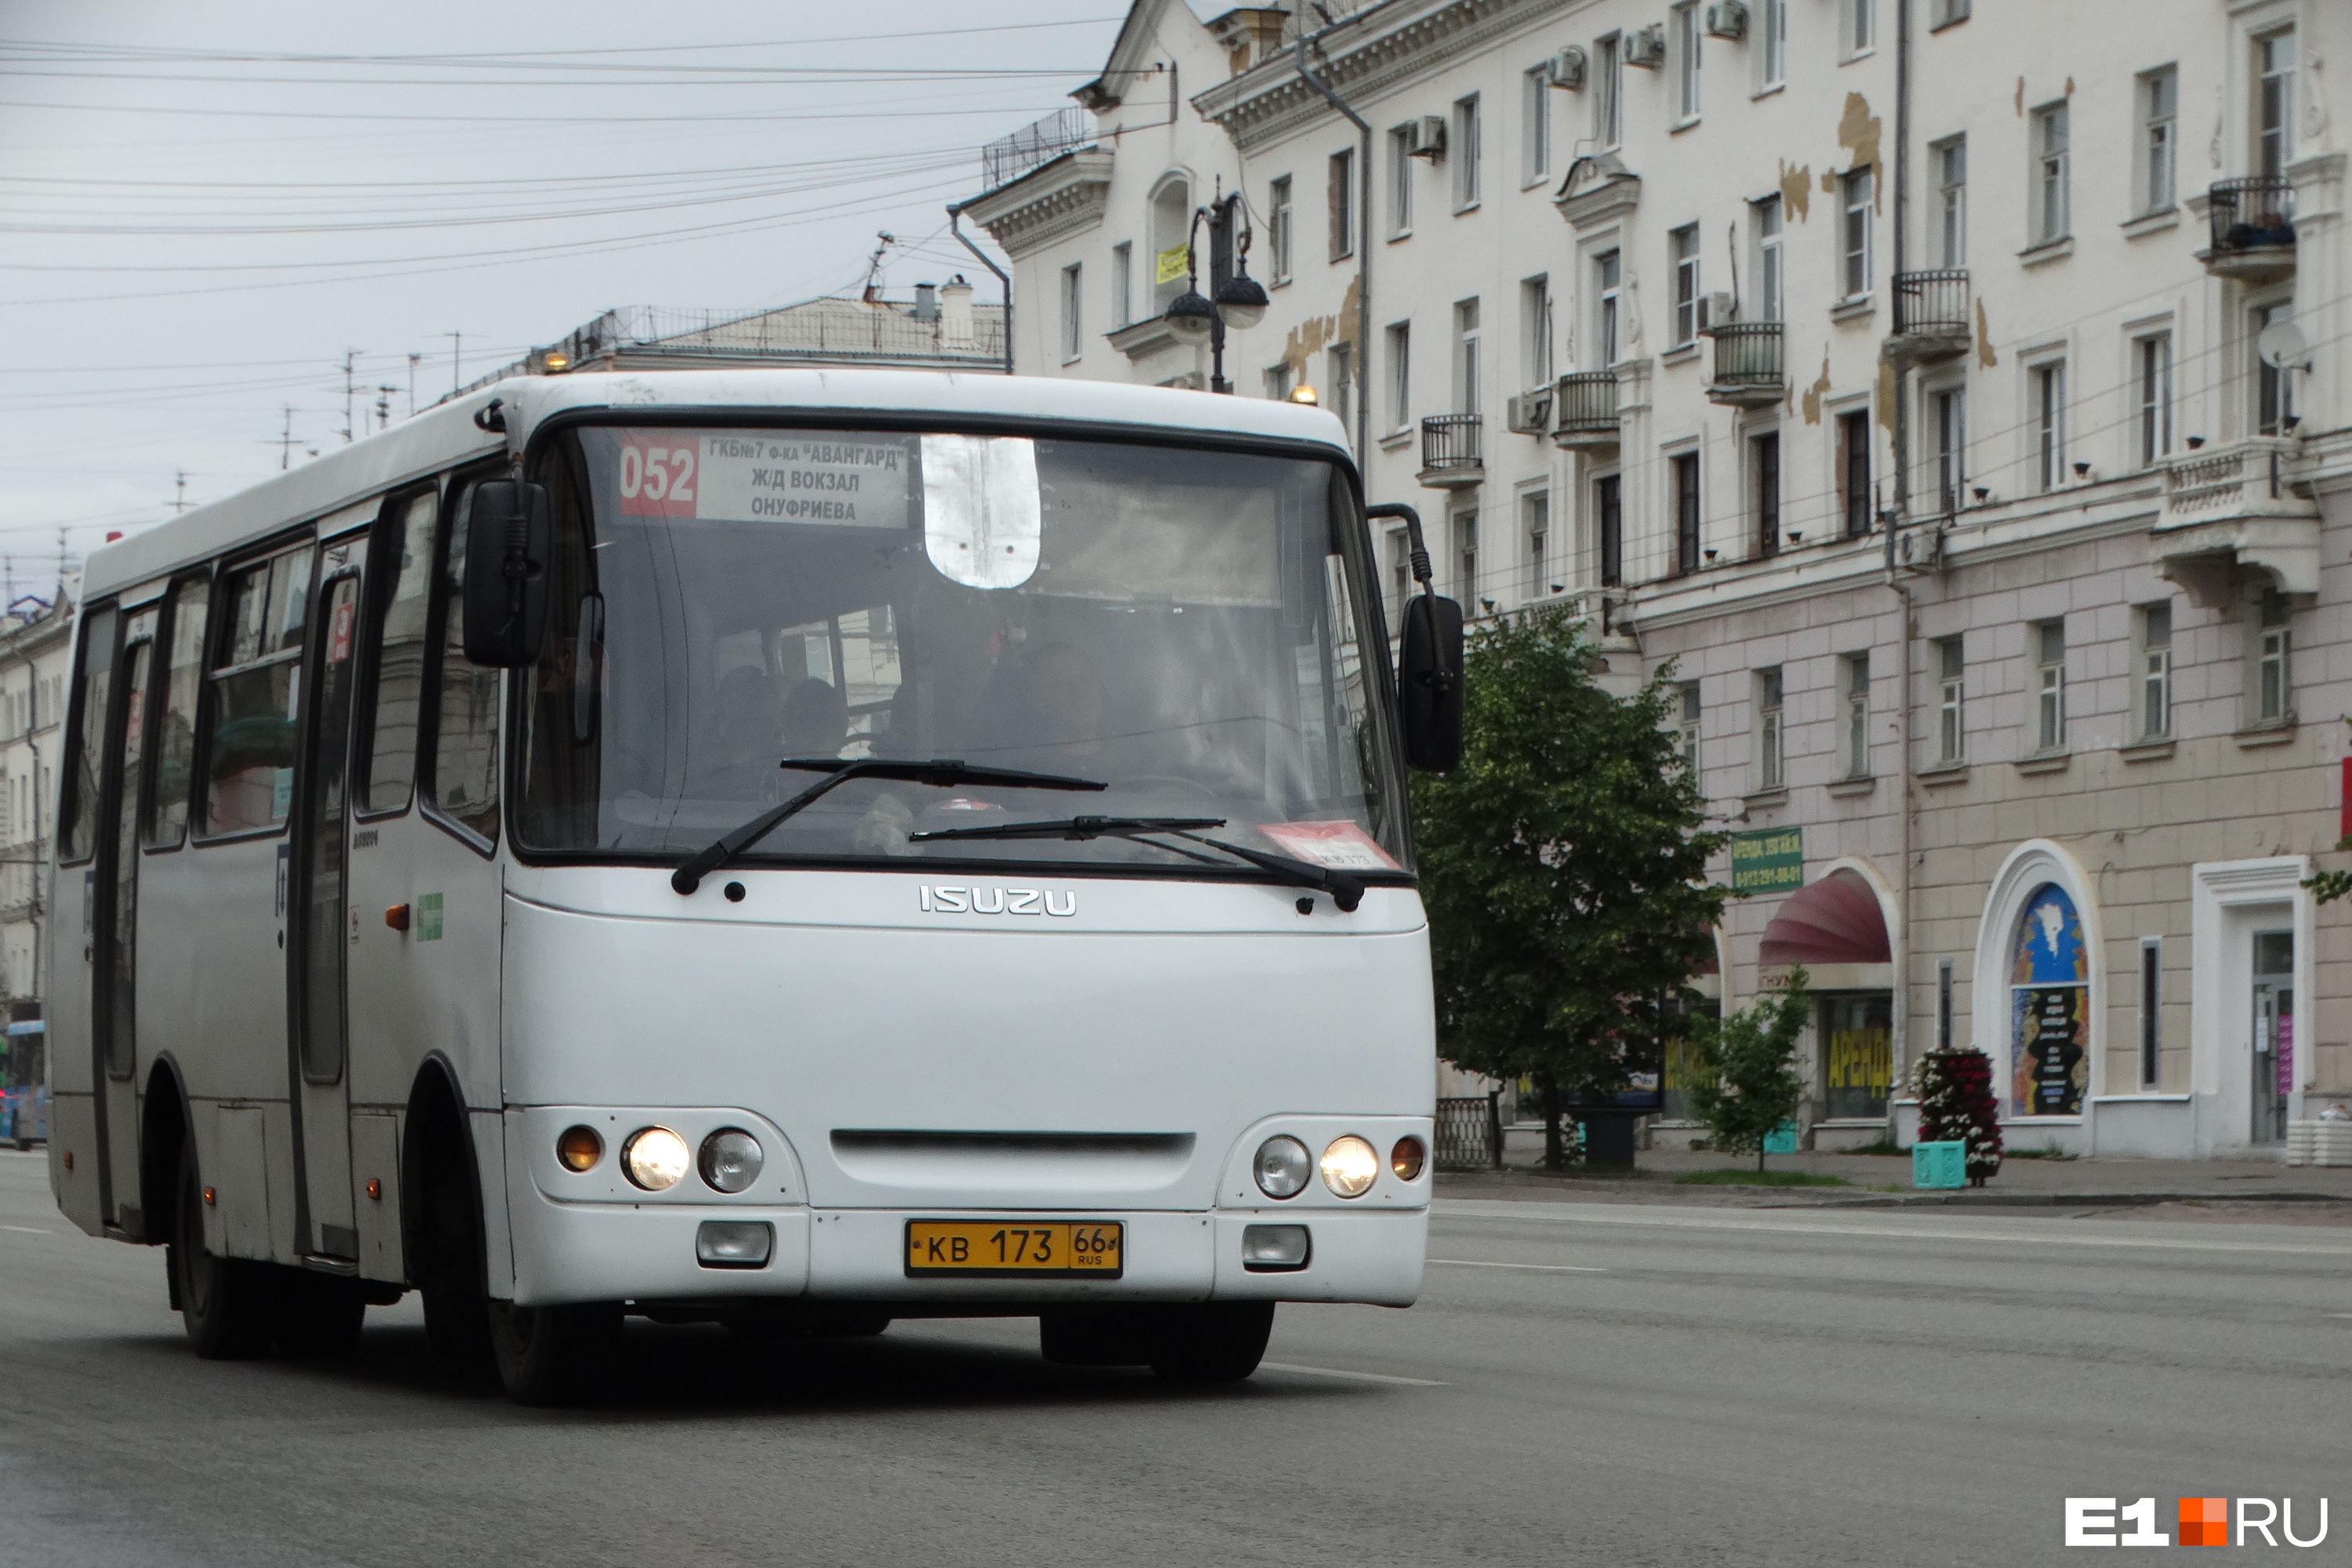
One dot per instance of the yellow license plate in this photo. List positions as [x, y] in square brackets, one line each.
[1022, 1247]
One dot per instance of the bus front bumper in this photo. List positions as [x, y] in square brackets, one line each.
[655, 1254]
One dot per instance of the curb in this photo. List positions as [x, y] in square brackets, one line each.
[1839, 1197]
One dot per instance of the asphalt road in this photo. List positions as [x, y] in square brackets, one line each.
[1581, 1382]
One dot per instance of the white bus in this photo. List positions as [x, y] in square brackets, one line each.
[792, 849]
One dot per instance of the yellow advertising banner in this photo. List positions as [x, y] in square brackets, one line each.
[1172, 266]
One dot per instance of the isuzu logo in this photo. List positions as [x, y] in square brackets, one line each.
[998, 901]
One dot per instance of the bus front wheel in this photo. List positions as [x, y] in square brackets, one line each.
[228, 1305]
[555, 1355]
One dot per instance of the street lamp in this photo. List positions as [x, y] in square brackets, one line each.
[1236, 299]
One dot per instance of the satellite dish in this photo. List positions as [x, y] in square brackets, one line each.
[2282, 346]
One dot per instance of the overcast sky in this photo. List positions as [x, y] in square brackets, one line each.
[195, 227]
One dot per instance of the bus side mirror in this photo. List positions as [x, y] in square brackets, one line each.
[508, 538]
[1429, 683]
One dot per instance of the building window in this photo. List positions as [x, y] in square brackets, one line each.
[1400, 182]
[1686, 539]
[1690, 712]
[1767, 260]
[1278, 216]
[2154, 635]
[2274, 103]
[1278, 381]
[2051, 205]
[1770, 757]
[1861, 25]
[1400, 577]
[1399, 353]
[1342, 198]
[1466, 152]
[1952, 703]
[1857, 234]
[1943, 1004]
[1465, 357]
[1341, 388]
[1534, 526]
[1951, 409]
[2155, 357]
[2274, 387]
[1856, 746]
[2049, 1061]
[1608, 93]
[1609, 275]
[1534, 125]
[2273, 655]
[1123, 285]
[1465, 559]
[1171, 242]
[1535, 329]
[1609, 513]
[1854, 473]
[2151, 1010]
[1686, 57]
[2158, 138]
[1947, 12]
[1950, 162]
[1773, 34]
[1684, 244]
[1766, 464]
[2050, 685]
[2049, 383]
[1073, 343]
[1857, 1056]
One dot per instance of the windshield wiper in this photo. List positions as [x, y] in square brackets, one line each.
[1346, 891]
[939, 771]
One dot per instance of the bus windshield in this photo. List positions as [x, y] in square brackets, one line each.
[1188, 625]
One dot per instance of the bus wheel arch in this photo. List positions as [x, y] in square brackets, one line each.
[441, 1214]
[166, 1131]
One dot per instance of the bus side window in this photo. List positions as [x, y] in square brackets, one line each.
[175, 744]
[465, 783]
[77, 809]
[256, 685]
[404, 592]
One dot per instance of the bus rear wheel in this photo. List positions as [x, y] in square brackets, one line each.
[1216, 1341]
[555, 1355]
[228, 1305]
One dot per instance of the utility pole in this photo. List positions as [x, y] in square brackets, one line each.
[412, 383]
[383, 406]
[457, 361]
[351, 389]
[285, 442]
[179, 501]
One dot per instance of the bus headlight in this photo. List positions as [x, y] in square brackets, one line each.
[654, 1158]
[731, 1160]
[1282, 1165]
[1350, 1166]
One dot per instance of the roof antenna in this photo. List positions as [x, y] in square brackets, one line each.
[874, 266]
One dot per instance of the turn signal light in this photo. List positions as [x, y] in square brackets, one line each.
[578, 1149]
[1407, 1158]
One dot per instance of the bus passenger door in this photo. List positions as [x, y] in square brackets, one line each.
[318, 923]
[114, 922]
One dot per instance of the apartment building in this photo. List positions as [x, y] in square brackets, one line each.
[35, 659]
[1959, 404]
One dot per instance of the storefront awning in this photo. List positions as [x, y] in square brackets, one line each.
[1834, 920]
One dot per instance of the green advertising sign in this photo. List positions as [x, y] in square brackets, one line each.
[1770, 860]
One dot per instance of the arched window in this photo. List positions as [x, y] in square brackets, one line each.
[2049, 1007]
[1171, 223]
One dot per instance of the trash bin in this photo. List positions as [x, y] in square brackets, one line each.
[1942, 1165]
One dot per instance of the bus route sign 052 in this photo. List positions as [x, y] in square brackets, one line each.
[1768, 860]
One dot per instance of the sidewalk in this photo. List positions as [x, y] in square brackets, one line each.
[2046, 1184]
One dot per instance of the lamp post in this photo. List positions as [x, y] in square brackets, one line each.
[1238, 299]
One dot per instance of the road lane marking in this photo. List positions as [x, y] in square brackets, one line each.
[1595, 1214]
[1538, 1268]
[1350, 1376]
[29, 1229]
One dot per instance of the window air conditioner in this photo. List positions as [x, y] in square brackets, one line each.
[1567, 69]
[1429, 137]
[1726, 19]
[1530, 413]
[1646, 47]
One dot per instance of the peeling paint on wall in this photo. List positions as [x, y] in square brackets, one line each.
[1796, 189]
[1815, 392]
[1985, 356]
[1886, 395]
[1312, 336]
[1858, 133]
[2021, 97]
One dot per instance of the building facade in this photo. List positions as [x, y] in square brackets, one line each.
[35, 661]
[1957, 406]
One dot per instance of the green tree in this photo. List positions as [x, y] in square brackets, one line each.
[1746, 1083]
[1564, 868]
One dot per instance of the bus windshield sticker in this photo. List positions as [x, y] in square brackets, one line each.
[1340, 845]
[983, 514]
[838, 478]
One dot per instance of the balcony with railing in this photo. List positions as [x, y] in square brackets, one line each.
[1749, 372]
[2230, 507]
[1033, 146]
[2252, 227]
[1453, 456]
[1931, 314]
[1584, 411]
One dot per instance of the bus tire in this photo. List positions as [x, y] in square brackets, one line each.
[851, 1326]
[319, 1314]
[1216, 1341]
[228, 1305]
[555, 1355]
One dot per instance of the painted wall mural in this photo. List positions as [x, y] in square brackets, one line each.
[2050, 1010]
